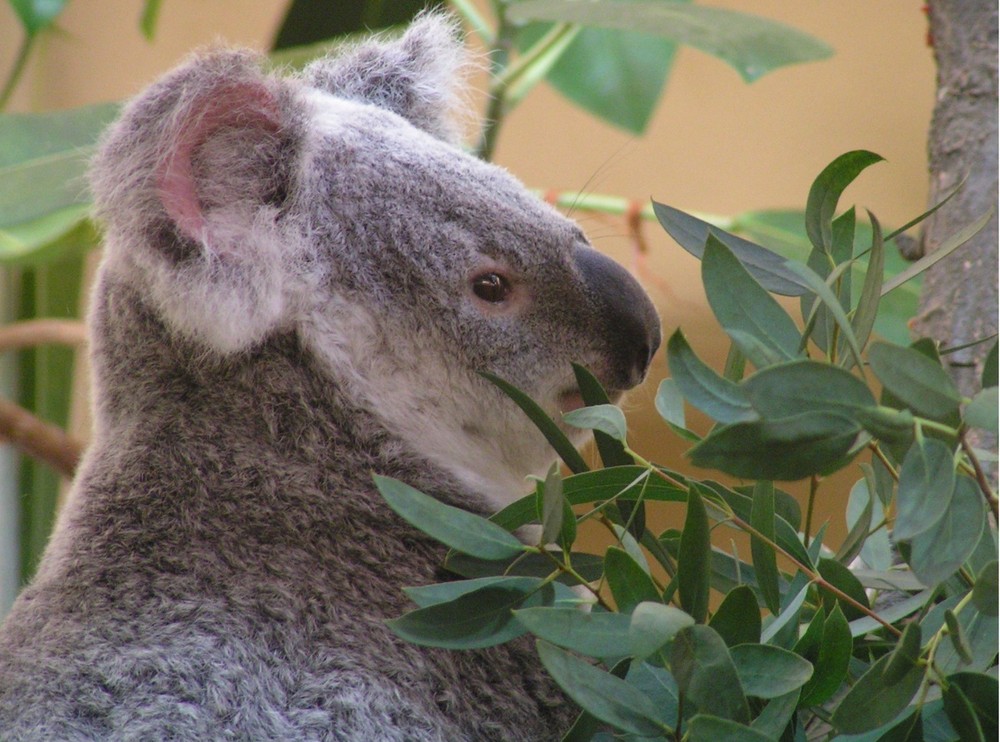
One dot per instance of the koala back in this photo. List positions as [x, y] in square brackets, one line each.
[303, 280]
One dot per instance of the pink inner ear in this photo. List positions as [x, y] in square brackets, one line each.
[244, 105]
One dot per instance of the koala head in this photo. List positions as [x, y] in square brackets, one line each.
[338, 205]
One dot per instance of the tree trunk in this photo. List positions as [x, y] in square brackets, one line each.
[959, 301]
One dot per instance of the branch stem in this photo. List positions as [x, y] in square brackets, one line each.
[17, 71]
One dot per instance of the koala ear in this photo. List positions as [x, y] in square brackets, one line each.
[190, 184]
[416, 75]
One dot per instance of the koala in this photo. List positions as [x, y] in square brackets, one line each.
[302, 279]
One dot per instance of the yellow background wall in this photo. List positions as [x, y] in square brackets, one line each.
[715, 145]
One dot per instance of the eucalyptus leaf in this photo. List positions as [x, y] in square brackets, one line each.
[984, 592]
[629, 583]
[652, 625]
[957, 637]
[593, 633]
[832, 305]
[803, 385]
[482, 618]
[752, 45]
[769, 672]
[981, 412]
[606, 418]
[764, 558]
[744, 309]
[916, 380]
[444, 592]
[706, 675]
[612, 451]
[871, 702]
[832, 661]
[737, 620]
[776, 715]
[714, 395]
[962, 715]
[705, 728]
[63, 233]
[552, 506]
[904, 657]
[826, 190]
[926, 485]
[37, 15]
[669, 403]
[989, 377]
[603, 695]
[866, 312]
[767, 267]
[693, 573]
[452, 526]
[938, 552]
[980, 690]
[844, 580]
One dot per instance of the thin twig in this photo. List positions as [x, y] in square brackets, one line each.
[17, 70]
[35, 332]
[39, 439]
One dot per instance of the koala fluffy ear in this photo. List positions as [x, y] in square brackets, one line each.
[416, 75]
[190, 183]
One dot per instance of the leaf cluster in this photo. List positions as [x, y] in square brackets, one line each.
[890, 634]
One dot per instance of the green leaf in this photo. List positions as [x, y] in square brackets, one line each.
[482, 618]
[981, 412]
[984, 592]
[871, 702]
[44, 159]
[66, 232]
[593, 633]
[629, 583]
[904, 657]
[588, 566]
[606, 418]
[777, 714]
[767, 267]
[744, 309]
[612, 451]
[926, 485]
[962, 715]
[615, 75]
[947, 246]
[737, 619]
[658, 684]
[794, 597]
[917, 381]
[887, 424]
[553, 506]
[802, 385]
[556, 438]
[37, 15]
[669, 403]
[768, 672]
[864, 514]
[752, 45]
[703, 728]
[832, 305]
[611, 700]
[456, 528]
[938, 552]
[831, 664]
[652, 625]
[706, 675]
[843, 579]
[980, 633]
[693, 572]
[866, 312]
[714, 395]
[764, 558]
[957, 636]
[444, 592]
[826, 190]
[150, 13]
[980, 691]
[784, 449]
[990, 374]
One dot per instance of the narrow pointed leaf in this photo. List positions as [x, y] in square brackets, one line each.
[737, 620]
[552, 506]
[990, 373]
[456, 528]
[825, 193]
[744, 308]
[904, 657]
[611, 450]
[590, 633]
[556, 438]
[843, 579]
[777, 714]
[693, 571]
[610, 699]
[871, 291]
[872, 702]
[832, 304]
[717, 397]
[938, 552]
[751, 45]
[831, 664]
[669, 403]
[767, 267]
[764, 559]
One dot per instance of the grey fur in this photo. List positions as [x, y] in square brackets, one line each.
[285, 307]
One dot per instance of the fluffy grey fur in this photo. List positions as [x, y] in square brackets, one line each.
[287, 304]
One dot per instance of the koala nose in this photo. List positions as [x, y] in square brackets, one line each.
[630, 322]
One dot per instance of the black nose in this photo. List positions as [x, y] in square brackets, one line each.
[630, 323]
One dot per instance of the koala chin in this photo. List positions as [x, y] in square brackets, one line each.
[303, 278]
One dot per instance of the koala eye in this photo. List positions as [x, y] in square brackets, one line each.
[491, 287]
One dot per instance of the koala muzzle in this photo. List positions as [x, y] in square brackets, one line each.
[630, 323]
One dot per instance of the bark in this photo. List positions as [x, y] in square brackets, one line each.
[959, 301]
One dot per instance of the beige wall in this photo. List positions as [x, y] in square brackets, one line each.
[715, 145]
